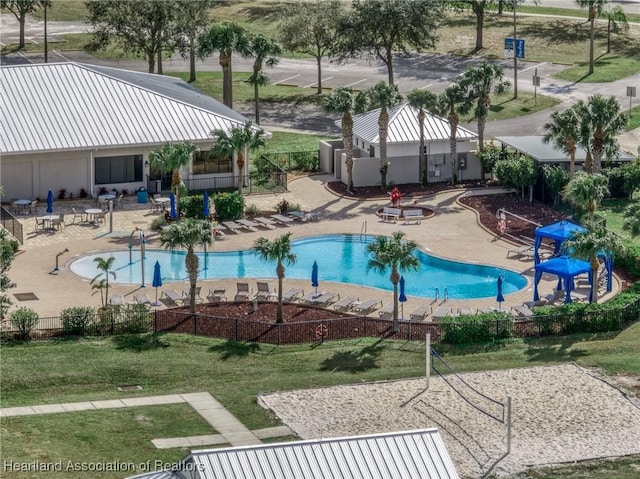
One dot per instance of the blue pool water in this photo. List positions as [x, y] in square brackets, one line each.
[341, 258]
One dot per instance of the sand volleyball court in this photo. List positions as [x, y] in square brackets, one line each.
[559, 414]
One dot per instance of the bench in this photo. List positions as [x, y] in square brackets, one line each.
[391, 214]
[413, 215]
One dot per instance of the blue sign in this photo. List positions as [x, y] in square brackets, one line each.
[508, 47]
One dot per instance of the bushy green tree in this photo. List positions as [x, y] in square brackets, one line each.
[555, 178]
[229, 205]
[171, 158]
[24, 320]
[586, 191]
[20, 9]
[8, 249]
[517, 171]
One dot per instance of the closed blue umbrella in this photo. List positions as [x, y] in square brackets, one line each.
[499, 297]
[205, 206]
[50, 202]
[157, 280]
[314, 276]
[402, 298]
[172, 202]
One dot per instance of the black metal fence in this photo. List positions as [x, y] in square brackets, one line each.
[11, 224]
[179, 320]
[308, 160]
[275, 181]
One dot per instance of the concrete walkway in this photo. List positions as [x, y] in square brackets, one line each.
[229, 429]
[453, 233]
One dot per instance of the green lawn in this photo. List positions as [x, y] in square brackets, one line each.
[234, 373]
[282, 141]
[634, 118]
[606, 68]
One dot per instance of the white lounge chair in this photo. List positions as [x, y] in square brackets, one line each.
[526, 250]
[172, 296]
[243, 291]
[116, 300]
[231, 226]
[442, 312]
[186, 297]
[345, 304]
[521, 312]
[299, 215]
[266, 222]
[420, 312]
[217, 295]
[367, 307]
[141, 298]
[264, 291]
[248, 224]
[285, 220]
[321, 299]
[386, 312]
[292, 294]
[465, 311]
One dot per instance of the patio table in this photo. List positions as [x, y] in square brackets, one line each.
[21, 205]
[107, 197]
[163, 201]
[92, 213]
[48, 220]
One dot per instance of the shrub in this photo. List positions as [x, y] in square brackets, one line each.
[477, 328]
[77, 320]
[262, 165]
[192, 206]
[252, 210]
[136, 318]
[229, 206]
[282, 206]
[24, 320]
[305, 161]
[62, 194]
[83, 193]
[157, 223]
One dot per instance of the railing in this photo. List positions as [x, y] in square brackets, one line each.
[179, 320]
[307, 160]
[11, 224]
[254, 183]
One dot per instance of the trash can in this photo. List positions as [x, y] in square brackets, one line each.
[142, 195]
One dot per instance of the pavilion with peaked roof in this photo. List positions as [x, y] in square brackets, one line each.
[403, 149]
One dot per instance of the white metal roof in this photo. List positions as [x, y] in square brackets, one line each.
[70, 106]
[404, 126]
[397, 455]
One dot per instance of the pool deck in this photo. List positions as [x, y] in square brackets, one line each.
[453, 233]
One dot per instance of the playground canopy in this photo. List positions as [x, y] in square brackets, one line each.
[564, 267]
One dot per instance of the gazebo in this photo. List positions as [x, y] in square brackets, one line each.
[564, 267]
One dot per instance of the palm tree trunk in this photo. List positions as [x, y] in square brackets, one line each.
[256, 98]
[383, 124]
[453, 145]
[227, 95]
[176, 179]
[423, 166]
[395, 278]
[595, 264]
[347, 133]
[592, 33]
[191, 262]
[280, 272]
[240, 163]
[192, 60]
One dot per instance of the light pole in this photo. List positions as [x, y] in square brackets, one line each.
[515, 54]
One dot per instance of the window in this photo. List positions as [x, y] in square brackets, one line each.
[206, 162]
[118, 169]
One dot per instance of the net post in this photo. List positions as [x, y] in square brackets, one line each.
[508, 424]
[428, 359]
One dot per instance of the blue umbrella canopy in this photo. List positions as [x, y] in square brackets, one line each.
[402, 298]
[50, 202]
[172, 202]
[205, 206]
[314, 274]
[499, 297]
[157, 279]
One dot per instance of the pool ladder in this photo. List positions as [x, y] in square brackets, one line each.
[445, 295]
[363, 229]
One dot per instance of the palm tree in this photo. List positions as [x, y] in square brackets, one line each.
[422, 100]
[587, 245]
[105, 266]
[240, 139]
[263, 50]
[188, 233]
[596, 7]
[384, 96]
[563, 131]
[480, 82]
[395, 254]
[586, 191]
[453, 102]
[615, 18]
[171, 158]
[343, 100]
[278, 250]
[227, 38]
[601, 120]
[632, 219]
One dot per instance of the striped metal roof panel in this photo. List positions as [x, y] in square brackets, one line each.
[404, 126]
[403, 455]
[70, 106]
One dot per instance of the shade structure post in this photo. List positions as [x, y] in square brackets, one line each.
[428, 359]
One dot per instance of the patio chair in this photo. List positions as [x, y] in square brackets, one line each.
[386, 312]
[292, 294]
[33, 207]
[465, 311]
[282, 219]
[232, 226]
[534, 304]
[116, 300]
[521, 312]
[118, 201]
[520, 251]
[217, 295]
[266, 222]
[367, 307]
[186, 295]
[247, 224]
[172, 296]
[345, 304]
[556, 297]
[442, 312]
[77, 215]
[321, 299]
[264, 291]
[39, 224]
[420, 312]
[141, 298]
[243, 291]
[58, 223]
[299, 215]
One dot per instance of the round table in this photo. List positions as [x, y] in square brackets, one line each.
[163, 201]
[48, 220]
[107, 197]
[22, 204]
[92, 213]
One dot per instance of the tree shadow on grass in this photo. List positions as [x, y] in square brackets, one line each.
[557, 350]
[353, 361]
[238, 349]
[142, 342]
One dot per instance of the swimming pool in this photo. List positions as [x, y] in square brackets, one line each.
[341, 258]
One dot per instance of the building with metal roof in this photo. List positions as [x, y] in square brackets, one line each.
[417, 454]
[71, 126]
[403, 149]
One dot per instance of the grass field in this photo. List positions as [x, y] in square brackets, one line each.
[234, 373]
